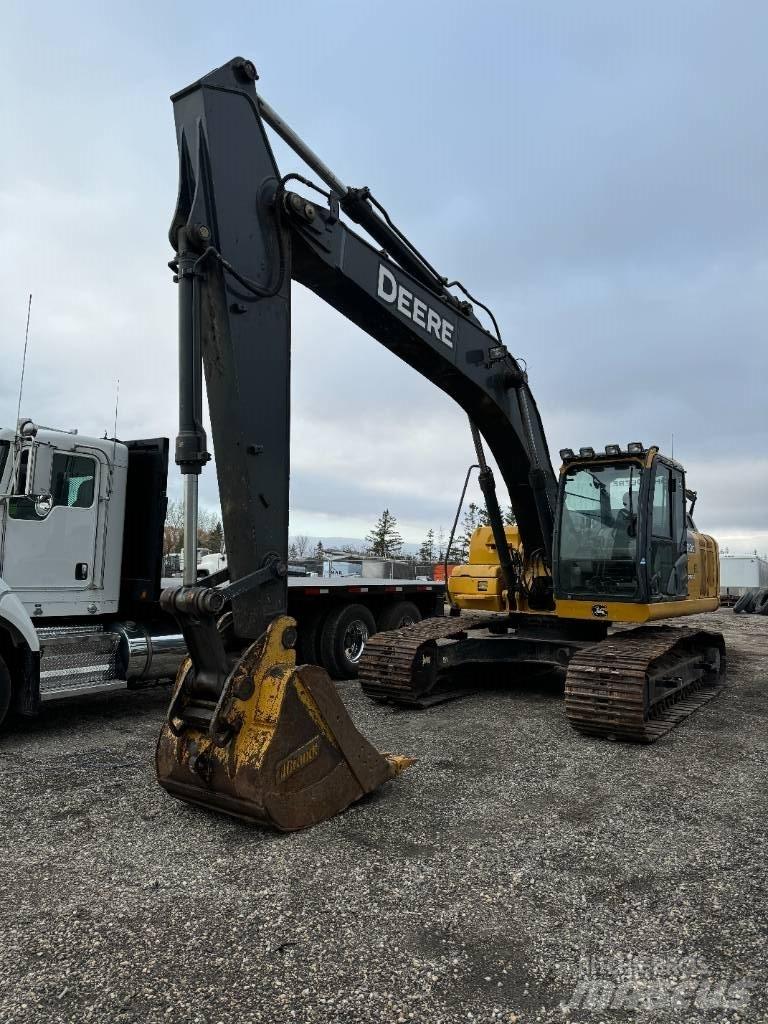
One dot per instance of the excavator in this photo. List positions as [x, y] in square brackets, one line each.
[597, 556]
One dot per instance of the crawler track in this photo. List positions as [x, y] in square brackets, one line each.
[639, 684]
[634, 686]
[398, 665]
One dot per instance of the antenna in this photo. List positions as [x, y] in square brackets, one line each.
[114, 436]
[117, 402]
[24, 360]
[673, 445]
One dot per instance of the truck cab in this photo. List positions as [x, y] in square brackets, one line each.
[62, 509]
[81, 533]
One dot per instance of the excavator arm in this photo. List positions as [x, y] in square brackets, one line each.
[244, 234]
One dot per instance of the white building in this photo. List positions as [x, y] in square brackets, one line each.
[739, 573]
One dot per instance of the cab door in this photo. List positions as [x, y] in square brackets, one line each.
[668, 542]
[51, 544]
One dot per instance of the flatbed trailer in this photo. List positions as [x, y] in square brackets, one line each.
[81, 557]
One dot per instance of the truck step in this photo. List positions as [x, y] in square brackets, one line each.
[77, 659]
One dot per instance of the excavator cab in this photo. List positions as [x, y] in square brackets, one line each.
[623, 537]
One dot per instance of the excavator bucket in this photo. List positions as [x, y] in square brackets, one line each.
[278, 748]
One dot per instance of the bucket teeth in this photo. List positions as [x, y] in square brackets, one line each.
[279, 749]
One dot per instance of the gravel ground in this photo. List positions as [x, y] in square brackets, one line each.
[518, 873]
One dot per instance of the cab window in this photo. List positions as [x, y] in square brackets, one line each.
[662, 515]
[73, 480]
[668, 566]
[598, 531]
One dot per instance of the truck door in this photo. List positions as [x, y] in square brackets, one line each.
[51, 544]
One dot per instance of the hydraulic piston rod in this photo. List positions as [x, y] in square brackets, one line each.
[300, 148]
[488, 487]
[191, 454]
[356, 203]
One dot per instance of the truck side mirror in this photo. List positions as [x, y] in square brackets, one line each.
[39, 479]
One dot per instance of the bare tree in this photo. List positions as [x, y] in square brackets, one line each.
[173, 535]
[301, 543]
[206, 520]
[208, 524]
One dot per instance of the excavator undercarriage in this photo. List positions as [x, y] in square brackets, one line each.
[442, 659]
[634, 685]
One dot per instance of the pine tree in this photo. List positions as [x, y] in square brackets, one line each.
[384, 541]
[320, 550]
[509, 517]
[216, 538]
[427, 549]
[470, 522]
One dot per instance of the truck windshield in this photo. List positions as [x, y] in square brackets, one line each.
[598, 531]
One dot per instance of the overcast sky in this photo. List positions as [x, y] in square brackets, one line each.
[596, 172]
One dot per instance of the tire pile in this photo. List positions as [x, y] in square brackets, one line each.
[754, 602]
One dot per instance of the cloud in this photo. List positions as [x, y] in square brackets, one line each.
[600, 179]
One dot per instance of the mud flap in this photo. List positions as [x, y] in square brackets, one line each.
[278, 749]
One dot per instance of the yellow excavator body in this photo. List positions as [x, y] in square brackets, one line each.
[478, 584]
[627, 552]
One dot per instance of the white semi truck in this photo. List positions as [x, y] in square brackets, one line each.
[80, 575]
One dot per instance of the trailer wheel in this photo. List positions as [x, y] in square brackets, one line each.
[343, 639]
[6, 691]
[397, 616]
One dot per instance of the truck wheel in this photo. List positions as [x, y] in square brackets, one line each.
[397, 616]
[760, 606]
[310, 629]
[6, 691]
[343, 638]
